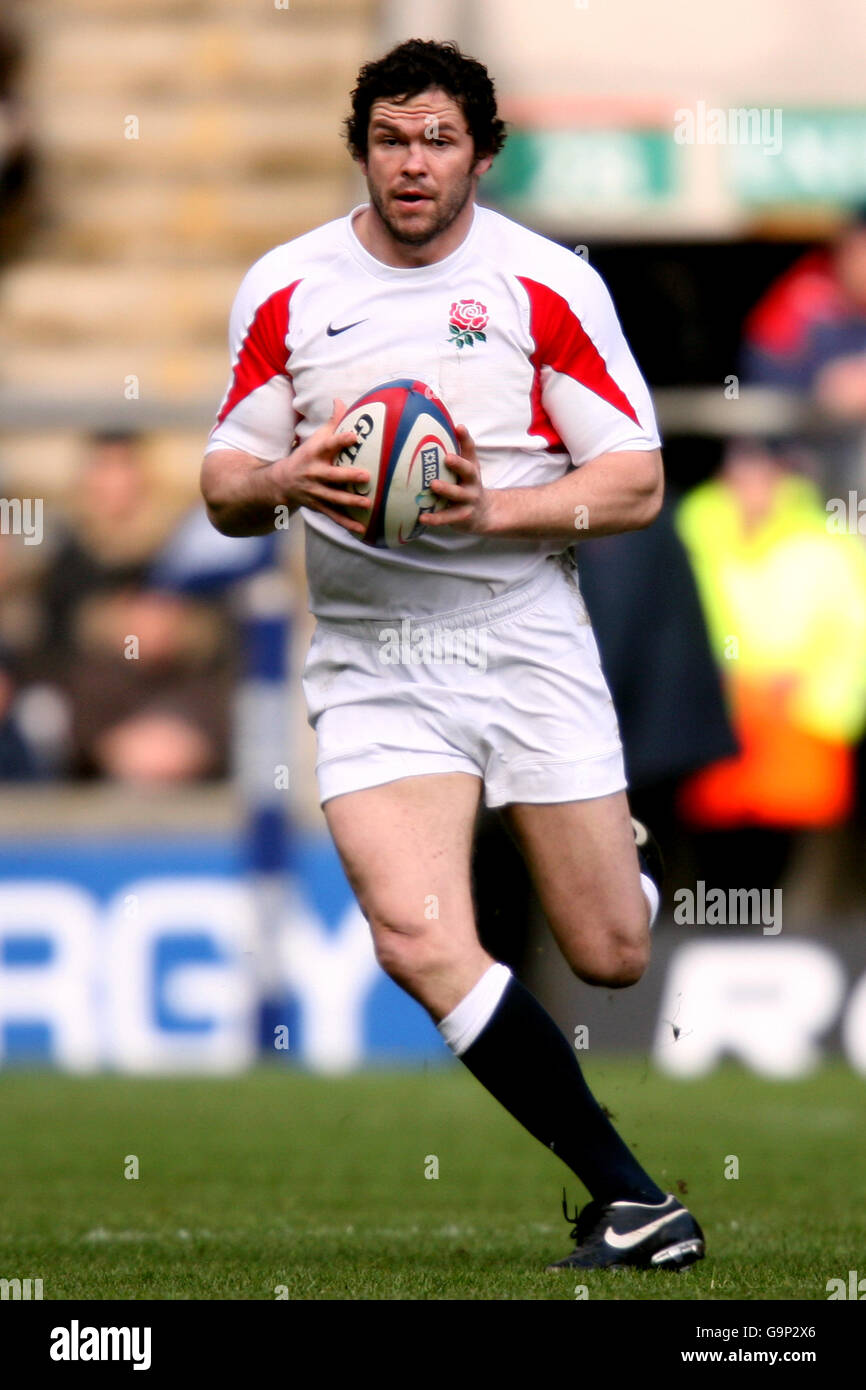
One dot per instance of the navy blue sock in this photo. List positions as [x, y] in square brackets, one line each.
[523, 1059]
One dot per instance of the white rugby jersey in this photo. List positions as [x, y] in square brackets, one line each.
[517, 336]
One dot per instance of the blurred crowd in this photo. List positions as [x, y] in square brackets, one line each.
[777, 549]
[103, 674]
[733, 631]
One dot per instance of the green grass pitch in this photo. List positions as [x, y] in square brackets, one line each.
[281, 1180]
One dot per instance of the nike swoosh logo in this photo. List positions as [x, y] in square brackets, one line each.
[630, 1238]
[332, 332]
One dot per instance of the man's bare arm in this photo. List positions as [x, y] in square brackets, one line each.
[242, 493]
[612, 493]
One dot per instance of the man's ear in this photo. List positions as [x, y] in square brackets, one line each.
[482, 165]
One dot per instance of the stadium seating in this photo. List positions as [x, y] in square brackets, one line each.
[143, 241]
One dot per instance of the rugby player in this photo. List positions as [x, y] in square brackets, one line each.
[557, 441]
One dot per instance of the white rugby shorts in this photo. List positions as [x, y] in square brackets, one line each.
[510, 691]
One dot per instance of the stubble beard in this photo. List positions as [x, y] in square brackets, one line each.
[452, 209]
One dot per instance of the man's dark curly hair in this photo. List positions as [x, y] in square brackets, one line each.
[411, 68]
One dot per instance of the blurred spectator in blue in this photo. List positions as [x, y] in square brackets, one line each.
[807, 334]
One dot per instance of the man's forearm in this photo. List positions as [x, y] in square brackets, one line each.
[610, 494]
[241, 493]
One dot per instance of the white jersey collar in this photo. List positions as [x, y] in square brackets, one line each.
[421, 274]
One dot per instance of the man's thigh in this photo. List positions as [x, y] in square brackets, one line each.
[406, 849]
[584, 864]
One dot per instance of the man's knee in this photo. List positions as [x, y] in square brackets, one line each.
[408, 951]
[617, 970]
[616, 956]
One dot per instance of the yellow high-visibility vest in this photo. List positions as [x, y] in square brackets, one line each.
[786, 600]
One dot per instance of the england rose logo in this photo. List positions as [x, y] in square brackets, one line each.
[466, 322]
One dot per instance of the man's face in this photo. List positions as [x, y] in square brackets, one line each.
[113, 481]
[421, 168]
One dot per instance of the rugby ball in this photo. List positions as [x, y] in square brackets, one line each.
[404, 432]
